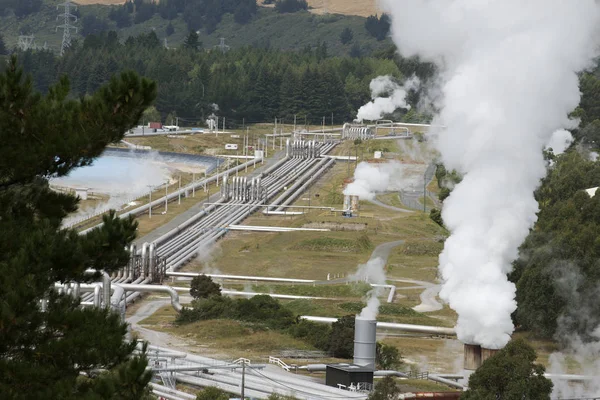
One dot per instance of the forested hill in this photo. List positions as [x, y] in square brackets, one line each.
[240, 22]
[250, 84]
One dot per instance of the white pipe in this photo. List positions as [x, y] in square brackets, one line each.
[240, 277]
[156, 288]
[252, 294]
[436, 330]
[170, 391]
[273, 228]
[392, 293]
[569, 377]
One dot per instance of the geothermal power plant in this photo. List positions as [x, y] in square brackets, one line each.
[271, 188]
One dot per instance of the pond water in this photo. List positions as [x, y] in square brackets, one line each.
[125, 175]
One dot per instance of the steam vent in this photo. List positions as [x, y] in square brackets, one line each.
[365, 340]
[475, 355]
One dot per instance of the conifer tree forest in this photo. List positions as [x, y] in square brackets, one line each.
[244, 85]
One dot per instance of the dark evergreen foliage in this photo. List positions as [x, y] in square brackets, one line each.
[511, 374]
[203, 287]
[247, 83]
[121, 16]
[378, 27]
[144, 11]
[170, 29]
[92, 25]
[21, 8]
[290, 6]
[341, 343]
[51, 355]
[3, 49]
[192, 42]
[558, 271]
[346, 36]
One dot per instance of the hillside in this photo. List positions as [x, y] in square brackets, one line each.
[362, 8]
[266, 29]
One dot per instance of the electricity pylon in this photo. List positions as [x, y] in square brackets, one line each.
[66, 26]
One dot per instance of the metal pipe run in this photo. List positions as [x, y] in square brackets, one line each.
[175, 194]
[239, 277]
[156, 288]
[434, 330]
[252, 294]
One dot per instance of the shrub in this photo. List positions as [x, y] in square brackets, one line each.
[290, 6]
[203, 287]
[315, 334]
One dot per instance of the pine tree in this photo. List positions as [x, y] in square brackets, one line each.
[65, 352]
[192, 41]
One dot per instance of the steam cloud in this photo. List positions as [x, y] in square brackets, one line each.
[371, 272]
[370, 179]
[560, 141]
[380, 106]
[507, 79]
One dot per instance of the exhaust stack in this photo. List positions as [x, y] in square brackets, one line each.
[365, 342]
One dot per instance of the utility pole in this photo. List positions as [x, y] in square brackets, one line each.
[66, 26]
[193, 184]
[223, 124]
[323, 132]
[150, 203]
[425, 192]
[166, 196]
[179, 191]
[243, 379]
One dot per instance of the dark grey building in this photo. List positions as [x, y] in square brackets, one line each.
[348, 375]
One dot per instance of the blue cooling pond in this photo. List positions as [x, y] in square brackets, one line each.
[126, 173]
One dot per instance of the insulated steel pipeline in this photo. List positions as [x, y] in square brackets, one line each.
[182, 243]
[175, 194]
[239, 213]
[286, 179]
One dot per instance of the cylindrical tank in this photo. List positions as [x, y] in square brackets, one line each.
[354, 203]
[365, 342]
[347, 202]
[472, 359]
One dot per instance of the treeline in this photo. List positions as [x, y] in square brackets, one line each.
[20, 8]
[250, 84]
[198, 14]
[558, 270]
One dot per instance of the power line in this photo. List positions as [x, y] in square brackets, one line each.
[66, 26]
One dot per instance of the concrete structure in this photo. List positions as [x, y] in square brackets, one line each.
[472, 357]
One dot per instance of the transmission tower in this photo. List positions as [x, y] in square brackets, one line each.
[26, 42]
[222, 46]
[66, 26]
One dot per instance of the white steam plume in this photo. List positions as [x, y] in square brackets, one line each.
[206, 254]
[370, 179]
[396, 97]
[372, 272]
[560, 141]
[507, 75]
